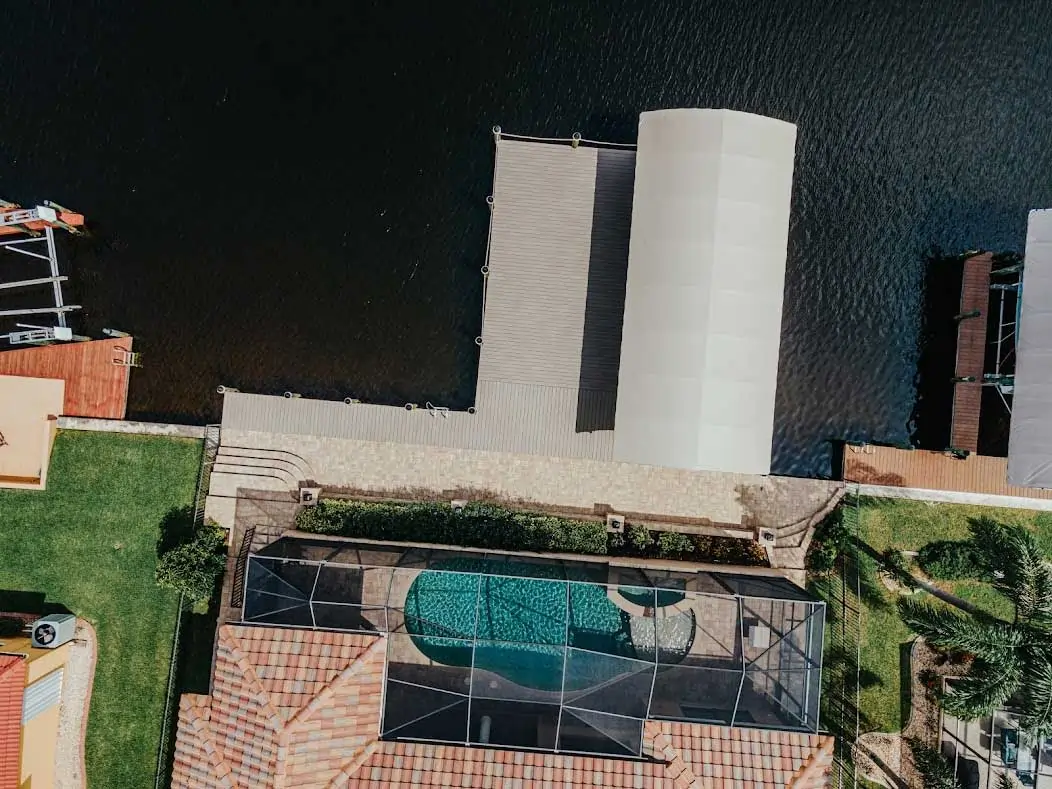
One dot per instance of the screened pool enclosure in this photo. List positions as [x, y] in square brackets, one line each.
[558, 655]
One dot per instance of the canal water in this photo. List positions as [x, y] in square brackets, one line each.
[293, 198]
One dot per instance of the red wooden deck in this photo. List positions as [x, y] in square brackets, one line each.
[920, 468]
[95, 386]
[971, 351]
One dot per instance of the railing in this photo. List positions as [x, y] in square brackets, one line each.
[237, 593]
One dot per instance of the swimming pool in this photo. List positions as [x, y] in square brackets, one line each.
[521, 622]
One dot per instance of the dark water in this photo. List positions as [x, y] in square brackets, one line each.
[290, 196]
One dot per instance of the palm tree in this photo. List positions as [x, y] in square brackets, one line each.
[1011, 659]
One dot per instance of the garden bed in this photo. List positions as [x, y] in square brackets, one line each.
[491, 526]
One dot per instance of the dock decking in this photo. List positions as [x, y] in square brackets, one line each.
[95, 386]
[926, 470]
[971, 352]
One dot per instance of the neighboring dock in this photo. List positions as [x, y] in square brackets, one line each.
[971, 352]
[96, 373]
[938, 476]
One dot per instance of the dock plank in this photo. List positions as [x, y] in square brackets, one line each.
[95, 386]
[971, 352]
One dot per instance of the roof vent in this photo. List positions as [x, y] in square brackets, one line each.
[53, 630]
[615, 523]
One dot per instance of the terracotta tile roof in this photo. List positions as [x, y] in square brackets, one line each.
[12, 686]
[299, 708]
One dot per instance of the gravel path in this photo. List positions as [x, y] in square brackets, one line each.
[73, 715]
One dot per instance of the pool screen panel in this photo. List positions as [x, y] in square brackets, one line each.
[500, 649]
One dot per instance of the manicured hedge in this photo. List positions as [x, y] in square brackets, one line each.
[498, 528]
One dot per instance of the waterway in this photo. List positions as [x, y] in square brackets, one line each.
[290, 196]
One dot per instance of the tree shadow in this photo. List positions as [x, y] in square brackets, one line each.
[177, 528]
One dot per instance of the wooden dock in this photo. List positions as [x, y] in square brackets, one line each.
[971, 353]
[95, 385]
[925, 470]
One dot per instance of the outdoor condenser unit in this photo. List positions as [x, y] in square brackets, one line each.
[615, 523]
[53, 630]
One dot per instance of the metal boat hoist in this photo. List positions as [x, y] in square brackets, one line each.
[31, 232]
[1010, 283]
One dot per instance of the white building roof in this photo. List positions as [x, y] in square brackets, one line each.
[703, 305]
[1030, 436]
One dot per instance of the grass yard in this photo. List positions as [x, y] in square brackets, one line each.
[89, 542]
[861, 613]
[884, 639]
[909, 525]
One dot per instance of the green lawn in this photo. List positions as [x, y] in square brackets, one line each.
[907, 525]
[861, 615]
[89, 542]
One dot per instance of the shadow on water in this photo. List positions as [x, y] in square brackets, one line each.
[938, 355]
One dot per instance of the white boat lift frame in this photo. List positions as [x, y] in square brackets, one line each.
[1004, 383]
[41, 246]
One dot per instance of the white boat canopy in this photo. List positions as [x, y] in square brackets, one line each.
[703, 302]
[1030, 436]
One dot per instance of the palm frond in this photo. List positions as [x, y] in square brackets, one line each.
[1037, 696]
[1020, 570]
[983, 689]
[944, 628]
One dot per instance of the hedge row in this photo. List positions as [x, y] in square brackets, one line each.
[498, 528]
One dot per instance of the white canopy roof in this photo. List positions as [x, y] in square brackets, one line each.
[703, 307]
[1030, 436]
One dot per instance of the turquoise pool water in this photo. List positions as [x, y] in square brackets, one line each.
[522, 623]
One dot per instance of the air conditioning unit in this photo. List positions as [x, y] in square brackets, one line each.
[53, 630]
[766, 537]
[615, 523]
[458, 505]
[309, 496]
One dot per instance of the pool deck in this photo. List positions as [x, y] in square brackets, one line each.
[690, 501]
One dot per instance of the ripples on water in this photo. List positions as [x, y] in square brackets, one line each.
[294, 199]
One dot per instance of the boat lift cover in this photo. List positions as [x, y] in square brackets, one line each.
[1030, 437]
[703, 303]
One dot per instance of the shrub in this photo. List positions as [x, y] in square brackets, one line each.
[934, 769]
[497, 528]
[638, 538]
[831, 539]
[194, 567]
[476, 526]
[951, 560]
[896, 563]
[673, 545]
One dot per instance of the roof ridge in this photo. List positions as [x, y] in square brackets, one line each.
[813, 764]
[676, 766]
[327, 692]
[354, 764]
[221, 767]
[249, 671]
[321, 698]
